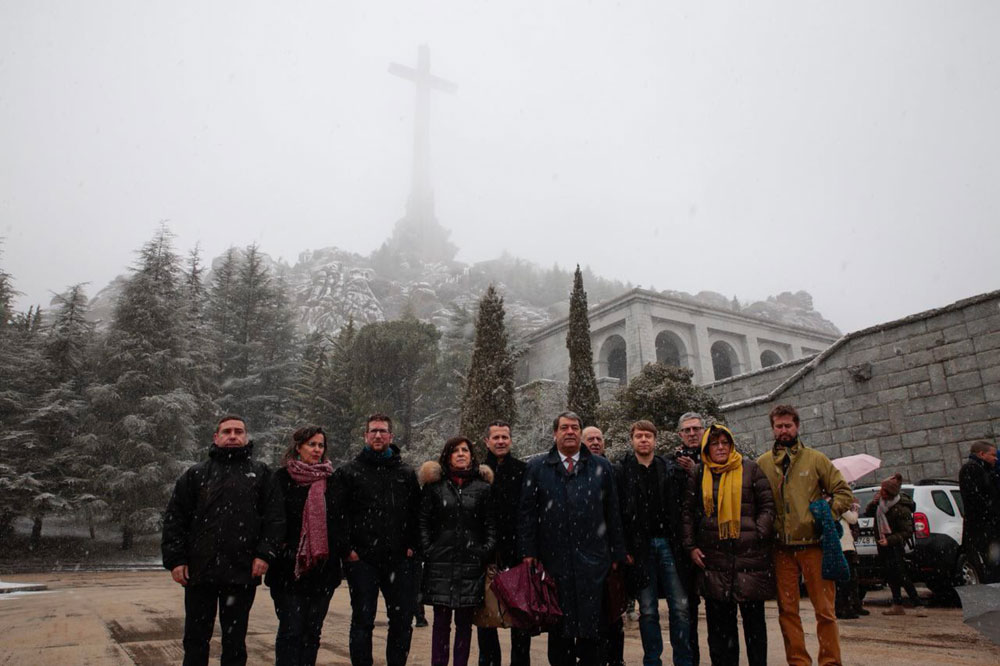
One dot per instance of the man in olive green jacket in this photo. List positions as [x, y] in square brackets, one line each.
[798, 476]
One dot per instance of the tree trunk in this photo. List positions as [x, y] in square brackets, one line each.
[36, 533]
[91, 527]
[127, 537]
[6, 524]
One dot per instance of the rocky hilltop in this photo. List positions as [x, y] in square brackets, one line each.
[328, 287]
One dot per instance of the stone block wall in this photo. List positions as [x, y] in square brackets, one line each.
[914, 392]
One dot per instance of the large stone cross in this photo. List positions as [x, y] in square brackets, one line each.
[420, 206]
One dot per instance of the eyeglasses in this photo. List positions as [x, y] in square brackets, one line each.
[378, 431]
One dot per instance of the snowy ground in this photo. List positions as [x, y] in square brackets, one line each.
[137, 618]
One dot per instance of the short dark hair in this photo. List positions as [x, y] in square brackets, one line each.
[981, 446]
[231, 417]
[300, 437]
[783, 410]
[378, 416]
[715, 434]
[566, 415]
[643, 425]
[449, 448]
[497, 424]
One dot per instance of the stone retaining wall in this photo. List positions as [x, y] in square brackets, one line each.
[914, 392]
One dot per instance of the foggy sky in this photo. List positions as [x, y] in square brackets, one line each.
[849, 149]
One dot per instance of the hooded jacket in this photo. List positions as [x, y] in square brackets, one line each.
[809, 475]
[981, 499]
[223, 513]
[457, 536]
[378, 499]
[735, 569]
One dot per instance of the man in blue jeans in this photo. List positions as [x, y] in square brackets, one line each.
[651, 492]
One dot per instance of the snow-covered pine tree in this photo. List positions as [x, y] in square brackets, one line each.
[489, 387]
[581, 392]
[143, 410]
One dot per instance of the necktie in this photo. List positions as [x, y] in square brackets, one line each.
[569, 465]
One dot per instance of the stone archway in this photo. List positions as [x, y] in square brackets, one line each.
[725, 362]
[769, 358]
[670, 349]
[613, 358]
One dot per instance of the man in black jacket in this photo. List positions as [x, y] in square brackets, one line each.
[380, 501]
[221, 530]
[652, 489]
[981, 497]
[508, 475]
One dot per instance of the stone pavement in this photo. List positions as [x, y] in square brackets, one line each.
[112, 618]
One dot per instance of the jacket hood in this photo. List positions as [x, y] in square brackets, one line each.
[431, 472]
[715, 427]
[231, 453]
[370, 457]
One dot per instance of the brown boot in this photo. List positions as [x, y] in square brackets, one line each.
[897, 609]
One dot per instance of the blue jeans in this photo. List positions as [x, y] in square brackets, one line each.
[663, 576]
[397, 582]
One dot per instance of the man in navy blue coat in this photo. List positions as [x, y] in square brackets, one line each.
[570, 522]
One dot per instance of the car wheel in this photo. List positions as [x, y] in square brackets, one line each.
[966, 571]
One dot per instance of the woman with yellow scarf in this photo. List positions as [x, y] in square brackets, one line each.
[727, 530]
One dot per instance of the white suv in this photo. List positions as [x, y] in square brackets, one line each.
[936, 557]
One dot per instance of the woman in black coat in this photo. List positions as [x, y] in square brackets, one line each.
[728, 528]
[303, 577]
[457, 536]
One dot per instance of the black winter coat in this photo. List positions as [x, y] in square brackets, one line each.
[223, 513]
[981, 498]
[735, 569]
[571, 522]
[378, 500]
[508, 477]
[457, 537]
[672, 490]
[281, 573]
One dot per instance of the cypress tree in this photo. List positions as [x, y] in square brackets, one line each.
[581, 393]
[489, 388]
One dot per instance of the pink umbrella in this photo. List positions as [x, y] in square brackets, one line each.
[855, 467]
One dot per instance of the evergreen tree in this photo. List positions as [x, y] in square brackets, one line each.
[51, 426]
[581, 393]
[661, 394]
[257, 346]
[345, 416]
[392, 364]
[489, 388]
[142, 428]
[309, 393]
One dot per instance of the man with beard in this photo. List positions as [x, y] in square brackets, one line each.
[800, 475]
[569, 520]
[221, 530]
[379, 499]
[508, 476]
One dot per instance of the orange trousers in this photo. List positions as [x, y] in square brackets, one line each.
[789, 562]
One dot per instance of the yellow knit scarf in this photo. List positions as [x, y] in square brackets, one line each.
[730, 487]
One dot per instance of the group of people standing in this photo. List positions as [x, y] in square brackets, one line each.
[705, 522]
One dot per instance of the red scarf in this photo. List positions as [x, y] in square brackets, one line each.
[314, 546]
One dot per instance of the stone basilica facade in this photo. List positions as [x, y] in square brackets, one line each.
[643, 326]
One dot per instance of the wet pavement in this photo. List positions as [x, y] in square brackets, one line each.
[110, 618]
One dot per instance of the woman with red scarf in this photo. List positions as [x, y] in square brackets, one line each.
[457, 536]
[303, 577]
